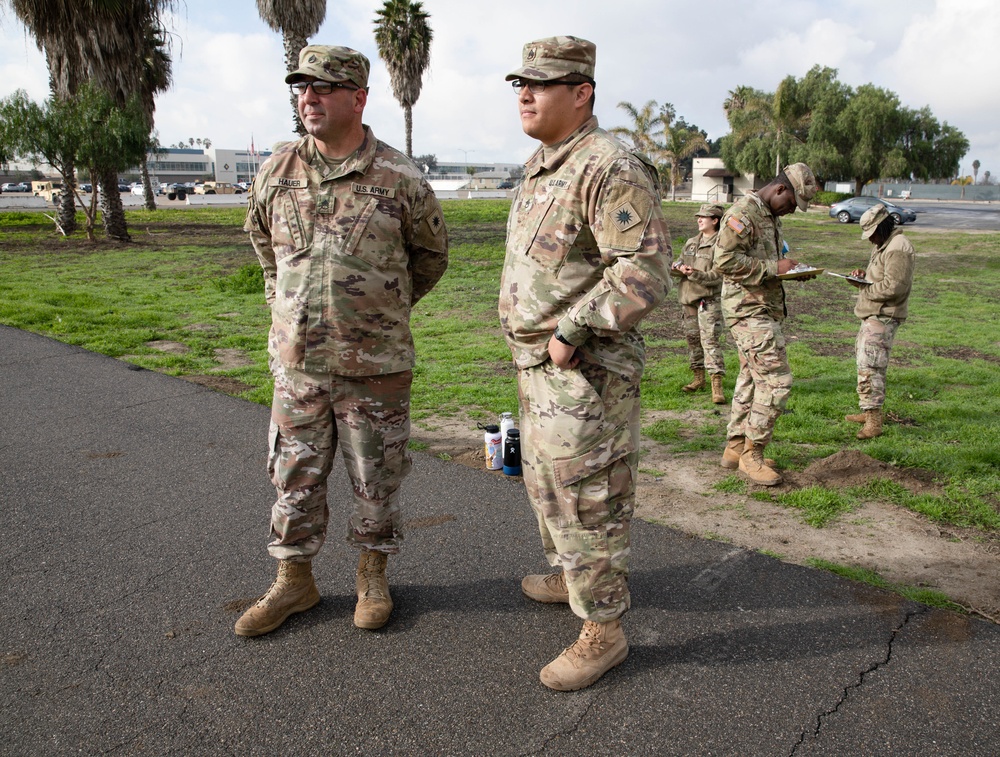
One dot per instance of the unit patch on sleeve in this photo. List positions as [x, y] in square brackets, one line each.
[367, 189]
[624, 217]
[436, 223]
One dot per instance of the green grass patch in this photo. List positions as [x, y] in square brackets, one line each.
[817, 505]
[929, 597]
[190, 277]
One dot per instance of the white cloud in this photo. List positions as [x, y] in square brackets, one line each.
[229, 69]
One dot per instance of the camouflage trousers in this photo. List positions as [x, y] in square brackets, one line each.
[704, 328]
[311, 413]
[579, 453]
[765, 380]
[872, 348]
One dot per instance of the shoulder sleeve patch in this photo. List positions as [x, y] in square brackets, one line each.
[624, 217]
[435, 223]
[740, 225]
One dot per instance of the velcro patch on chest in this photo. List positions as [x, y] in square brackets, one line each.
[624, 217]
[286, 183]
[369, 189]
[740, 225]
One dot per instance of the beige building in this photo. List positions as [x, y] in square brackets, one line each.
[711, 181]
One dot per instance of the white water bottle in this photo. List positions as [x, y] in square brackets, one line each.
[493, 447]
[506, 424]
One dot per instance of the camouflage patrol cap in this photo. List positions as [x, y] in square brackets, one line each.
[556, 57]
[872, 218]
[803, 182]
[334, 64]
[710, 210]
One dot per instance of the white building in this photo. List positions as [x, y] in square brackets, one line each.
[712, 182]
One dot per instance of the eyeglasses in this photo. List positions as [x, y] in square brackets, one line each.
[537, 87]
[319, 87]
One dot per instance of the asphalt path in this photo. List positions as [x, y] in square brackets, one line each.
[136, 513]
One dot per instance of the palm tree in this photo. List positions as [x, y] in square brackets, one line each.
[679, 144]
[645, 122]
[975, 171]
[102, 41]
[296, 21]
[404, 38]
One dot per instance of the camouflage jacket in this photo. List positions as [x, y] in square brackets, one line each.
[705, 281]
[891, 272]
[746, 254]
[588, 251]
[346, 253]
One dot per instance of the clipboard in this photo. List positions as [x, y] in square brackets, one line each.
[802, 273]
[855, 279]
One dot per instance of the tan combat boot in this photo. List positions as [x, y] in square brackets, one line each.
[699, 381]
[600, 647]
[857, 417]
[718, 396]
[873, 424]
[294, 590]
[548, 588]
[753, 464]
[731, 454]
[374, 603]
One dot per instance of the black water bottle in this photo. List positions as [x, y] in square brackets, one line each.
[512, 453]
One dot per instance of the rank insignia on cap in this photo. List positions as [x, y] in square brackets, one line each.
[624, 217]
[435, 223]
[530, 56]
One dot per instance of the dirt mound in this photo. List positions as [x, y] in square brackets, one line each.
[851, 467]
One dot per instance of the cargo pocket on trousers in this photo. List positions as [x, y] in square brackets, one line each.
[599, 484]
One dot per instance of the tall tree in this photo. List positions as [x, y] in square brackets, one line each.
[872, 124]
[766, 126]
[975, 171]
[680, 142]
[647, 123]
[404, 38]
[296, 21]
[100, 41]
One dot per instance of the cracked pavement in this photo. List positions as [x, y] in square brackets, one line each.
[137, 513]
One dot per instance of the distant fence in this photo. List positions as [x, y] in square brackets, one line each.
[973, 192]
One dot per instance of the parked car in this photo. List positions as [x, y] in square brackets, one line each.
[505, 185]
[15, 186]
[217, 188]
[177, 191]
[86, 188]
[123, 187]
[853, 208]
[138, 189]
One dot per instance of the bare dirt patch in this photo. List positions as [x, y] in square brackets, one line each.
[902, 546]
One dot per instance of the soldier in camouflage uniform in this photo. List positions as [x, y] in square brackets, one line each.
[699, 293]
[753, 303]
[588, 256]
[882, 307]
[350, 236]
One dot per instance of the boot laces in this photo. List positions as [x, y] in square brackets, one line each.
[590, 644]
[369, 574]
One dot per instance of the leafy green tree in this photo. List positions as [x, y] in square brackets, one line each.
[102, 41]
[404, 38]
[86, 129]
[765, 127]
[428, 160]
[872, 125]
[296, 21]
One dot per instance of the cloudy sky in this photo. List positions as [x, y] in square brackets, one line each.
[228, 66]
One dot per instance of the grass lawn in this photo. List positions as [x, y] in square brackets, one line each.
[191, 278]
